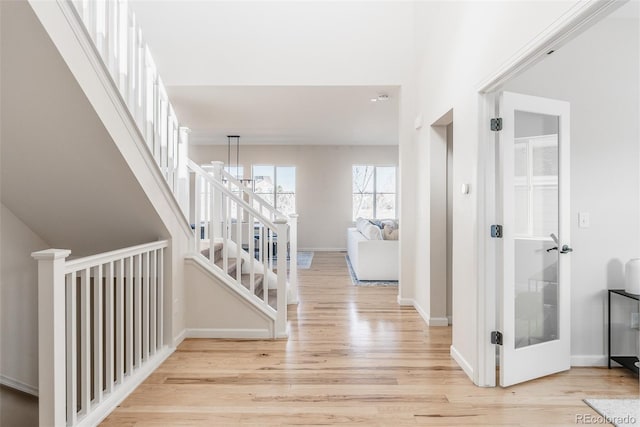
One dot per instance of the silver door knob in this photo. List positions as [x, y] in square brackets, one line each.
[566, 249]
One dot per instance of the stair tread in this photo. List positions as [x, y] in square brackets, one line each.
[217, 249]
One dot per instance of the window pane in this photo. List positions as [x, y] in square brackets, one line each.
[521, 194]
[545, 211]
[362, 206]
[263, 180]
[286, 203]
[520, 158]
[385, 179]
[236, 171]
[286, 179]
[362, 179]
[545, 156]
[385, 206]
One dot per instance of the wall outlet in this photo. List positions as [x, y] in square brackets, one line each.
[635, 320]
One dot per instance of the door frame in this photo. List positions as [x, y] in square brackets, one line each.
[577, 19]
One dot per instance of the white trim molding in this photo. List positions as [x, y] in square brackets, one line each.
[577, 19]
[229, 333]
[589, 360]
[461, 361]
[18, 385]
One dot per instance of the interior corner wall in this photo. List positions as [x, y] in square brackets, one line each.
[450, 68]
[323, 183]
[18, 301]
[598, 74]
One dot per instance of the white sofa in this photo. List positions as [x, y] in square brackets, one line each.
[372, 259]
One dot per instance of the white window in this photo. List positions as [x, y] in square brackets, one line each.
[277, 185]
[536, 186]
[374, 191]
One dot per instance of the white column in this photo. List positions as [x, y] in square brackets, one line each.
[292, 295]
[281, 307]
[51, 336]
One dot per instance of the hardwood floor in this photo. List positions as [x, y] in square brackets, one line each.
[354, 357]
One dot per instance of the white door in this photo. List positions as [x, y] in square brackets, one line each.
[534, 316]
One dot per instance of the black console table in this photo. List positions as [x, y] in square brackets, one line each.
[626, 361]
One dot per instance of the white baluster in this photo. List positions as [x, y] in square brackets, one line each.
[97, 334]
[145, 307]
[72, 349]
[281, 317]
[129, 317]
[85, 341]
[137, 334]
[51, 336]
[153, 271]
[161, 299]
[120, 313]
[109, 326]
[293, 259]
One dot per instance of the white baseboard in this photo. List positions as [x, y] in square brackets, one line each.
[229, 333]
[322, 249]
[590, 360]
[466, 367]
[438, 321]
[18, 385]
[421, 312]
[178, 340]
[405, 301]
[112, 401]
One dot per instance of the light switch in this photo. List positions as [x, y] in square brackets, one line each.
[584, 220]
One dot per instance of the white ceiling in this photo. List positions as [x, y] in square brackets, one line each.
[300, 115]
[281, 72]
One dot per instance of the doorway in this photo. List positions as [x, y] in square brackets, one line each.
[441, 221]
[598, 76]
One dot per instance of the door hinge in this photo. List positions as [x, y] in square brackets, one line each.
[496, 124]
[496, 231]
[496, 337]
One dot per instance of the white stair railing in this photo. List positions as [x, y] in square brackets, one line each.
[101, 329]
[117, 37]
[265, 208]
[225, 223]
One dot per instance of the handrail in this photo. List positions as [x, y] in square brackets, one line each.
[106, 257]
[193, 166]
[263, 203]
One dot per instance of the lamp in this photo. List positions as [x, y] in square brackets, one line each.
[230, 139]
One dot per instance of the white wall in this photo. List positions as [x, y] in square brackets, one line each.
[323, 183]
[458, 45]
[18, 301]
[598, 74]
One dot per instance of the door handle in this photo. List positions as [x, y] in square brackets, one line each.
[566, 249]
[555, 248]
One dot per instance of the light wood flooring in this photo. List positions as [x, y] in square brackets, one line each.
[354, 357]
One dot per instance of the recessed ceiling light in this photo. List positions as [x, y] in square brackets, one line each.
[374, 99]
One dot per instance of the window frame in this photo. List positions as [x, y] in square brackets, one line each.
[375, 191]
[275, 192]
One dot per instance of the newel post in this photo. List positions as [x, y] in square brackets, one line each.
[281, 318]
[51, 336]
[293, 259]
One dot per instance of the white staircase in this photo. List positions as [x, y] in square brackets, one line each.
[120, 314]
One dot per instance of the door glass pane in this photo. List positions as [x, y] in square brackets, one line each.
[536, 218]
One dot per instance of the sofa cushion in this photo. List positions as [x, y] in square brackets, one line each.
[390, 233]
[372, 232]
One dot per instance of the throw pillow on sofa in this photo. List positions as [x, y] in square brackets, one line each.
[389, 233]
